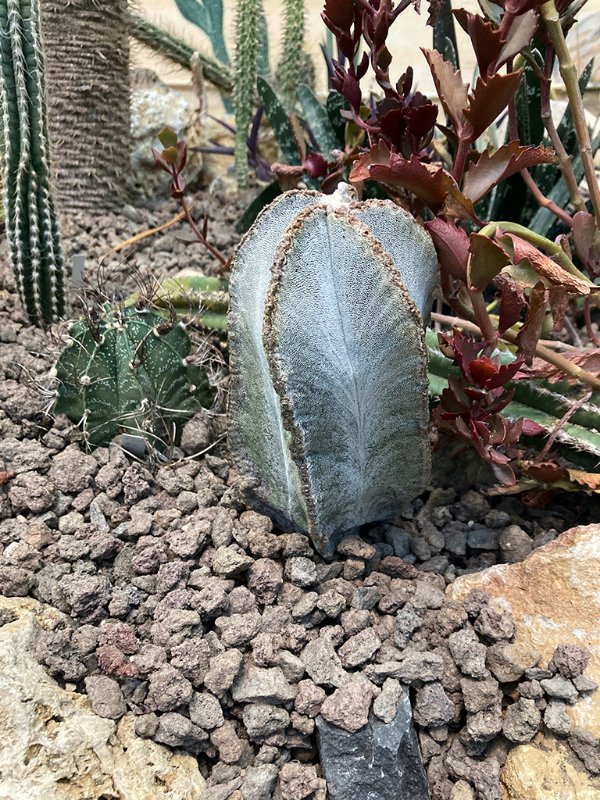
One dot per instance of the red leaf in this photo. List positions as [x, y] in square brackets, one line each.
[340, 13]
[449, 85]
[489, 99]
[488, 259]
[506, 161]
[530, 332]
[482, 369]
[485, 38]
[558, 297]
[432, 184]
[378, 154]
[452, 246]
[531, 428]
[520, 34]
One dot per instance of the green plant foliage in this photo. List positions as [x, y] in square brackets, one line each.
[318, 120]
[30, 217]
[317, 423]
[208, 16]
[279, 122]
[129, 371]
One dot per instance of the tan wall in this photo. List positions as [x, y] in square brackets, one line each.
[408, 34]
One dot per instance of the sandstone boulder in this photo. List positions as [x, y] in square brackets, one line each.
[54, 746]
[554, 599]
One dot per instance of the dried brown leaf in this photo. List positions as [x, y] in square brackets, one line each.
[544, 266]
[529, 334]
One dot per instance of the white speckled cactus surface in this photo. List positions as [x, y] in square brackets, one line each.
[328, 404]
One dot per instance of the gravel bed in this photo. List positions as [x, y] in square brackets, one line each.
[227, 637]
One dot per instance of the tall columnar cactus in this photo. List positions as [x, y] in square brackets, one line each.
[129, 371]
[293, 59]
[31, 223]
[328, 397]
[246, 70]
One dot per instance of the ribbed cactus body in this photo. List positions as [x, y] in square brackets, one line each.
[31, 223]
[129, 372]
[246, 70]
[328, 397]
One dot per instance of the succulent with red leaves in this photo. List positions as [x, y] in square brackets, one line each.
[471, 406]
[404, 119]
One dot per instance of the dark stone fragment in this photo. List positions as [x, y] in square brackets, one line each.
[378, 762]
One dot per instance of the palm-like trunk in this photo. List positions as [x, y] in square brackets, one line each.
[87, 77]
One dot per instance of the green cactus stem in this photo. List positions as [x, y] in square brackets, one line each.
[176, 50]
[203, 299]
[292, 65]
[246, 70]
[129, 372]
[31, 222]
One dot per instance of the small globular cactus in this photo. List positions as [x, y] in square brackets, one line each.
[129, 371]
[328, 397]
[32, 228]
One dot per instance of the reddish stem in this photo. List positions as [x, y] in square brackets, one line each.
[588, 323]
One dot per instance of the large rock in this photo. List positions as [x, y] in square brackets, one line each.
[554, 599]
[54, 746]
[378, 762]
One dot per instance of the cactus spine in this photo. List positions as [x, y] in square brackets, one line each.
[129, 370]
[31, 222]
[289, 72]
[246, 58]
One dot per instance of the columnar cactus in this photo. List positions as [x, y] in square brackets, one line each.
[293, 59]
[31, 222]
[328, 396]
[129, 371]
[244, 87]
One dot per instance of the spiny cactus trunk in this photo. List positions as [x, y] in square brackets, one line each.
[289, 72]
[246, 55]
[31, 223]
[87, 65]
